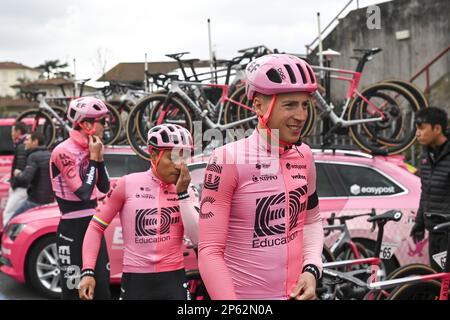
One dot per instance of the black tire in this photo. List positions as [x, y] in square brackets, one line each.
[401, 113]
[414, 269]
[196, 286]
[124, 108]
[144, 116]
[34, 277]
[413, 89]
[61, 133]
[41, 122]
[113, 126]
[429, 290]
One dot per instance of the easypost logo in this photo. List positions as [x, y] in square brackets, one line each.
[356, 190]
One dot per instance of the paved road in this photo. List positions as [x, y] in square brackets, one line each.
[12, 290]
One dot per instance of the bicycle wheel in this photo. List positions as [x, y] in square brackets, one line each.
[396, 132]
[415, 269]
[38, 121]
[413, 89]
[147, 113]
[61, 133]
[234, 112]
[196, 286]
[124, 109]
[429, 290]
[113, 125]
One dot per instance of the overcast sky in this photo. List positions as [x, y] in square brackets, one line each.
[32, 31]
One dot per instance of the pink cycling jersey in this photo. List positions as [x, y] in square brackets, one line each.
[259, 220]
[75, 178]
[154, 219]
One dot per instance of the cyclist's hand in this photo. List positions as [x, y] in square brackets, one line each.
[95, 148]
[87, 287]
[305, 288]
[418, 232]
[184, 179]
[17, 172]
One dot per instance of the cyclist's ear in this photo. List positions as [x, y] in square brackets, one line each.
[258, 104]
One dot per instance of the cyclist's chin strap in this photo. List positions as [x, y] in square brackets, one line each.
[92, 131]
[265, 118]
[163, 183]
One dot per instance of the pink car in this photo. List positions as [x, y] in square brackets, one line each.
[348, 183]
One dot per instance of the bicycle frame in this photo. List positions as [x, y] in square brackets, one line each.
[343, 239]
[352, 92]
[43, 106]
[444, 276]
[217, 108]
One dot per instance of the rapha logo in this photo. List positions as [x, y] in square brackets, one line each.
[260, 165]
[299, 176]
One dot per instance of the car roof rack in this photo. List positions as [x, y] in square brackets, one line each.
[344, 152]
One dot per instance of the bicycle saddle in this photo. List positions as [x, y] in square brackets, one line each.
[369, 51]
[176, 56]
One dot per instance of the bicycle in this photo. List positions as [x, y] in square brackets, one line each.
[352, 284]
[183, 101]
[421, 284]
[386, 108]
[54, 124]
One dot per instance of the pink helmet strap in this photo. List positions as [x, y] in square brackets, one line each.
[265, 118]
[155, 166]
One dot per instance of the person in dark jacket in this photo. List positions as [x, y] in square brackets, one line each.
[431, 133]
[17, 192]
[36, 174]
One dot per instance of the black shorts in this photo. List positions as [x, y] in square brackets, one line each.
[170, 285]
[69, 241]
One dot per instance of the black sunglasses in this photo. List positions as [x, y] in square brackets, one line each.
[102, 121]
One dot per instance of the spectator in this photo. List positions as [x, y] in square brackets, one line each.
[435, 178]
[17, 192]
[36, 174]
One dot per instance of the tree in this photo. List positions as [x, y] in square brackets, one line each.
[52, 68]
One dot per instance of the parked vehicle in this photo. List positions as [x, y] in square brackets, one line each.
[348, 183]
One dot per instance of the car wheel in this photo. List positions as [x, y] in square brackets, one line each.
[42, 268]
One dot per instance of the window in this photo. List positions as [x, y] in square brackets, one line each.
[6, 144]
[324, 183]
[364, 181]
[119, 165]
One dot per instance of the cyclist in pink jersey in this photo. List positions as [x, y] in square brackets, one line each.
[260, 230]
[156, 208]
[77, 173]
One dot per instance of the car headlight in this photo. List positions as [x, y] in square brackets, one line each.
[14, 230]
